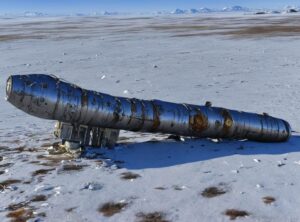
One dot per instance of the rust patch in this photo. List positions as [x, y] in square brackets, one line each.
[84, 98]
[156, 117]
[117, 110]
[228, 121]
[198, 122]
[133, 110]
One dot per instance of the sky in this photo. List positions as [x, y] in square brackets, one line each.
[84, 6]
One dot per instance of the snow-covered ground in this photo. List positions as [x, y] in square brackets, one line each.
[249, 63]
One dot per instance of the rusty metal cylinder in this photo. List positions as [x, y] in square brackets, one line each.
[48, 97]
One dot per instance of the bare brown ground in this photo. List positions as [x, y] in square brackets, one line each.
[211, 192]
[268, 200]
[265, 31]
[111, 208]
[232, 27]
[129, 176]
[233, 213]
[151, 217]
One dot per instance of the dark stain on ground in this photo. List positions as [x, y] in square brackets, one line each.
[42, 172]
[129, 176]
[268, 199]
[160, 188]
[211, 192]
[9, 182]
[2, 172]
[233, 213]
[151, 217]
[111, 208]
[6, 165]
[13, 207]
[39, 198]
[71, 209]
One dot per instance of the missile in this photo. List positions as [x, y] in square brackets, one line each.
[48, 97]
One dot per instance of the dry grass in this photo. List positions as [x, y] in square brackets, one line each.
[42, 172]
[265, 31]
[111, 208]
[9, 182]
[39, 198]
[268, 199]
[21, 215]
[72, 167]
[129, 176]
[13, 207]
[233, 213]
[211, 192]
[151, 217]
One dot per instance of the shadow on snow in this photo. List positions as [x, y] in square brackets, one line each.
[168, 153]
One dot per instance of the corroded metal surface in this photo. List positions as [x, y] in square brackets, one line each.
[48, 97]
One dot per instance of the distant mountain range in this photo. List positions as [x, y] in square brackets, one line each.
[178, 11]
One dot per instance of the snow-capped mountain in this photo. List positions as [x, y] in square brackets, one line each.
[34, 14]
[236, 8]
[179, 11]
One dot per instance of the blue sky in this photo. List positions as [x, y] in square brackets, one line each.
[69, 6]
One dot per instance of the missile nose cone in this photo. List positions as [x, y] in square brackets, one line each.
[34, 94]
[8, 87]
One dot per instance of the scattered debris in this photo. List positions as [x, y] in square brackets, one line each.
[257, 160]
[233, 213]
[129, 176]
[151, 217]
[111, 208]
[268, 199]
[176, 138]
[259, 186]
[93, 186]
